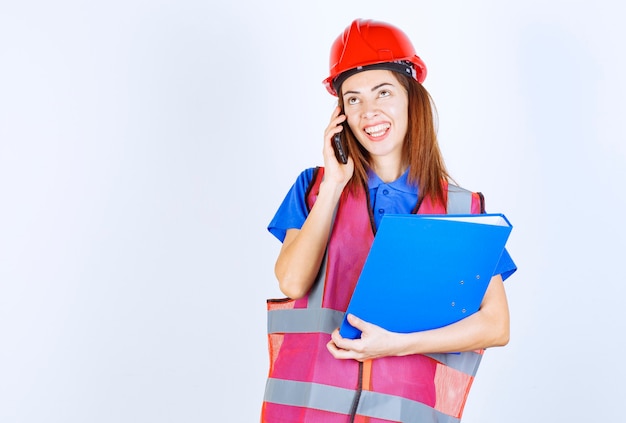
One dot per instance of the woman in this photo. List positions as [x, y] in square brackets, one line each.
[327, 223]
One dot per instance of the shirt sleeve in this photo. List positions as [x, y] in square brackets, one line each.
[506, 267]
[293, 211]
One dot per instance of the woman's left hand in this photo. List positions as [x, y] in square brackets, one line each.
[488, 327]
[375, 342]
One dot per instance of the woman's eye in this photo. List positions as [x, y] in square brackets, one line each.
[353, 100]
[384, 93]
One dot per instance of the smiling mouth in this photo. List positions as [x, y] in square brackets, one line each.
[377, 130]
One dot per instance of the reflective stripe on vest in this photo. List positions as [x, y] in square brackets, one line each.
[459, 200]
[339, 400]
[300, 391]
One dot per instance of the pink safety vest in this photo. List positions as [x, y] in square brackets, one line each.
[307, 384]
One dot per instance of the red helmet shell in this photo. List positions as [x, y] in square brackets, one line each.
[367, 42]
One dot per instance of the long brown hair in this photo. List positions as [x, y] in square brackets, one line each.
[421, 150]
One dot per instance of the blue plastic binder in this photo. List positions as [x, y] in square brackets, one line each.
[427, 271]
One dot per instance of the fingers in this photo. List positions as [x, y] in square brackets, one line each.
[374, 342]
[340, 348]
[336, 172]
[337, 339]
[335, 125]
[344, 348]
[337, 114]
[341, 354]
[356, 322]
[346, 343]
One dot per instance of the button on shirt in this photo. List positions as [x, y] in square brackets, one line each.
[397, 197]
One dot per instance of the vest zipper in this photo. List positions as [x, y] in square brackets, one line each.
[357, 396]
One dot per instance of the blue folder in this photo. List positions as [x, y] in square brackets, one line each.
[426, 271]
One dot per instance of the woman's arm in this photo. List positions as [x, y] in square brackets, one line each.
[303, 249]
[488, 327]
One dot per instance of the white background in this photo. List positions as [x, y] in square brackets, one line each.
[145, 145]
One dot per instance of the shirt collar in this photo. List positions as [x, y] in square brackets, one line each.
[400, 184]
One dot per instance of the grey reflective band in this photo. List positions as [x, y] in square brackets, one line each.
[324, 320]
[398, 409]
[312, 319]
[466, 362]
[303, 320]
[311, 395]
[459, 200]
[339, 400]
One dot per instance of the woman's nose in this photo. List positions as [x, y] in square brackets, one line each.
[369, 111]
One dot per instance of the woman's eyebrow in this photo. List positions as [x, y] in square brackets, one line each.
[373, 89]
[381, 85]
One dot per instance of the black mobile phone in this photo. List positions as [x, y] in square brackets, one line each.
[339, 145]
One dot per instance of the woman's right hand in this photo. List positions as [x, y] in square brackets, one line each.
[334, 171]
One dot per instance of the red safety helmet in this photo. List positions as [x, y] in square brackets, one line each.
[368, 42]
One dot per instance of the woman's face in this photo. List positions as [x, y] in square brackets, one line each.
[376, 107]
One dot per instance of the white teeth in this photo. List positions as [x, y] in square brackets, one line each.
[377, 130]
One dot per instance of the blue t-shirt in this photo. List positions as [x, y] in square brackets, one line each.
[397, 197]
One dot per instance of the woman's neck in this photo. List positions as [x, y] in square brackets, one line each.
[388, 171]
